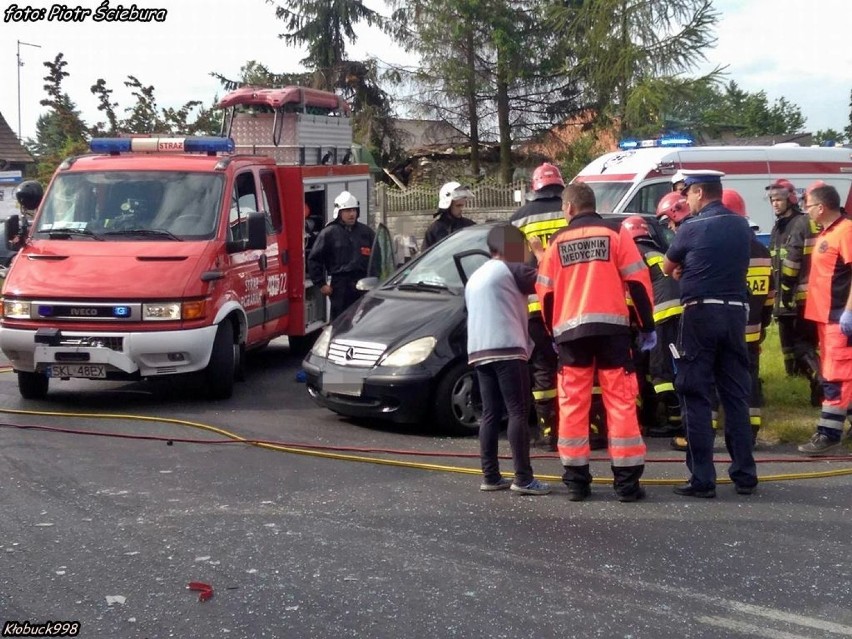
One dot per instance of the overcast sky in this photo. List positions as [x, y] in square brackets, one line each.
[798, 49]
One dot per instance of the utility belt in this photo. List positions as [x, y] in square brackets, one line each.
[711, 300]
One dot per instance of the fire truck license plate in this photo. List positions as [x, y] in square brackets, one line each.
[77, 370]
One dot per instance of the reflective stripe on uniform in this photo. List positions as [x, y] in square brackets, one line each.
[629, 269]
[591, 318]
[665, 310]
[539, 395]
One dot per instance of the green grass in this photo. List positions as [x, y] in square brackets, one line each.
[788, 416]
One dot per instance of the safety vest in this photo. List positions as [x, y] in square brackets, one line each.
[761, 291]
[584, 272]
[541, 217]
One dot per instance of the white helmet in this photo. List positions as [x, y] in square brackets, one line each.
[453, 191]
[346, 201]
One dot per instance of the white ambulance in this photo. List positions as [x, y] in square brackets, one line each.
[633, 179]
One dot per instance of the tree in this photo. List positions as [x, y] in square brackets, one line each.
[828, 136]
[848, 129]
[60, 132]
[622, 47]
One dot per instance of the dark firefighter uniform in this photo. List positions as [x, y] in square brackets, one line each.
[542, 217]
[581, 285]
[791, 244]
[667, 312]
[761, 298]
[343, 254]
[445, 225]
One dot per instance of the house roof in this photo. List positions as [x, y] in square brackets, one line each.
[11, 148]
[416, 134]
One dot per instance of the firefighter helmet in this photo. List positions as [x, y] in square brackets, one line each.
[636, 226]
[29, 194]
[733, 201]
[673, 206]
[546, 175]
[784, 187]
[452, 191]
[346, 201]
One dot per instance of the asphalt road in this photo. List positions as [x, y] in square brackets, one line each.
[109, 531]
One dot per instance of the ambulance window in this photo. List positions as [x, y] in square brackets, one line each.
[647, 198]
[269, 192]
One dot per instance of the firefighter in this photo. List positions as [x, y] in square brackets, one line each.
[452, 198]
[664, 406]
[672, 210]
[790, 244]
[761, 299]
[710, 256]
[540, 218]
[341, 254]
[29, 195]
[581, 285]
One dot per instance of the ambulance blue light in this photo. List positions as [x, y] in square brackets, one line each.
[110, 145]
[668, 140]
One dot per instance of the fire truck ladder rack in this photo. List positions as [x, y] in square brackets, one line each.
[293, 125]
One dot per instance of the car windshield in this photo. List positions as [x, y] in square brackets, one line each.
[436, 269]
[608, 194]
[137, 205]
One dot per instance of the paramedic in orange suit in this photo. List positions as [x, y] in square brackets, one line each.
[582, 280]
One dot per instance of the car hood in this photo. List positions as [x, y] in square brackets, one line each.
[395, 317]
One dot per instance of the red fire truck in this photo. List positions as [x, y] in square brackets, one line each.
[157, 256]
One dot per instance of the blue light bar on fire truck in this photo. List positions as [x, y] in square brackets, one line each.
[210, 145]
[671, 140]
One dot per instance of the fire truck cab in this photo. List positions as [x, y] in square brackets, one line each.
[157, 256]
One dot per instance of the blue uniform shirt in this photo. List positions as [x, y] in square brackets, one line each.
[713, 247]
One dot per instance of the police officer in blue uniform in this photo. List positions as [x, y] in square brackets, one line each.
[710, 255]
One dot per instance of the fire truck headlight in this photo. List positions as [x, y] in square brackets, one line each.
[14, 309]
[320, 348]
[412, 353]
[161, 311]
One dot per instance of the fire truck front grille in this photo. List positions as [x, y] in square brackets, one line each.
[352, 353]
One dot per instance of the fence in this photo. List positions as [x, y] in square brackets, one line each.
[410, 211]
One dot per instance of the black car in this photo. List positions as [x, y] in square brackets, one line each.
[400, 352]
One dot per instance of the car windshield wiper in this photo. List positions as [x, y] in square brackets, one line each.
[423, 286]
[66, 233]
[147, 232]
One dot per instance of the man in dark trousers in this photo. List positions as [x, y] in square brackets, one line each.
[540, 218]
[341, 253]
[710, 256]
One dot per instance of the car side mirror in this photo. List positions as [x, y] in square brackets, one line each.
[255, 240]
[366, 283]
[12, 227]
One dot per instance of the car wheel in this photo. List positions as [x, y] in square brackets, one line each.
[458, 405]
[220, 372]
[32, 385]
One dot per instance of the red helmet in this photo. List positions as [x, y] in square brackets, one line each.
[782, 184]
[673, 205]
[733, 201]
[546, 175]
[636, 226]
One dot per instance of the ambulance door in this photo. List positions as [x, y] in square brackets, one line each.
[276, 301]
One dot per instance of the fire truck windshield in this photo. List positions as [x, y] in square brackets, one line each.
[177, 204]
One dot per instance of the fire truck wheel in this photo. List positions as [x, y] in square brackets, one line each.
[219, 374]
[32, 385]
[458, 406]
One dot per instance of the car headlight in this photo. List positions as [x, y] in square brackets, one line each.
[411, 353]
[320, 347]
[172, 311]
[15, 309]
